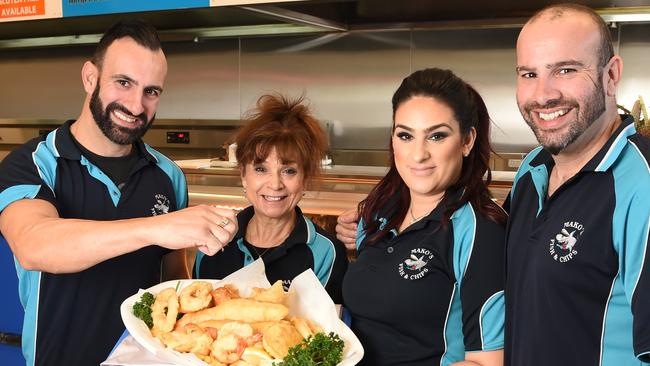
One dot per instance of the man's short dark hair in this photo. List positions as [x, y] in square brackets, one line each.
[606, 49]
[141, 31]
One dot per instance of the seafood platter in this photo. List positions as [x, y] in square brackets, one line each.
[241, 320]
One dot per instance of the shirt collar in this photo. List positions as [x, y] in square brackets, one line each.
[64, 144]
[452, 195]
[605, 157]
[615, 145]
[299, 234]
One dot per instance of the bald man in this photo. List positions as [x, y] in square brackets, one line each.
[577, 288]
[578, 282]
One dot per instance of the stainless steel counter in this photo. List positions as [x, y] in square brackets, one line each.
[313, 203]
[330, 171]
[340, 188]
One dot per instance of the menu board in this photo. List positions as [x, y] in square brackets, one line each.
[12, 10]
[93, 7]
[246, 2]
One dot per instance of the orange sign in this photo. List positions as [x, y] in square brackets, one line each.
[21, 8]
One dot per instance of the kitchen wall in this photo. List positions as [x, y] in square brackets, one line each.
[348, 78]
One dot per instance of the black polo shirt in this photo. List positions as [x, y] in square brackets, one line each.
[429, 294]
[307, 247]
[74, 318]
[578, 291]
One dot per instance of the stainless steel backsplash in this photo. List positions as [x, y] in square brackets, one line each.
[348, 79]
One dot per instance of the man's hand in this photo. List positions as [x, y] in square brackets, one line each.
[346, 228]
[208, 228]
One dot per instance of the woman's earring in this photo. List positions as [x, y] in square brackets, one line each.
[244, 190]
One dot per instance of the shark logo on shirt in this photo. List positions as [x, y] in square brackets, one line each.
[414, 263]
[562, 246]
[566, 240]
[161, 206]
[415, 266]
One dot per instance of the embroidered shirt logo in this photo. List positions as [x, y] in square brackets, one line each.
[415, 266]
[562, 246]
[161, 206]
[286, 284]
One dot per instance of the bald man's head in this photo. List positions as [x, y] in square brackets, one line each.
[559, 11]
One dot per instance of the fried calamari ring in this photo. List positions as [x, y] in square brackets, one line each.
[195, 297]
[164, 311]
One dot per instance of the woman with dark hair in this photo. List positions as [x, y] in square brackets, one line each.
[279, 154]
[427, 286]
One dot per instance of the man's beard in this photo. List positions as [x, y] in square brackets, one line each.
[592, 108]
[115, 133]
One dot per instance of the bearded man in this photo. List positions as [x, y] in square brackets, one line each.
[92, 213]
[578, 283]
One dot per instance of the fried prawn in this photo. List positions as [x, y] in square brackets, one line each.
[224, 293]
[190, 338]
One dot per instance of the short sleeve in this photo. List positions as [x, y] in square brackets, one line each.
[480, 248]
[634, 267]
[339, 267]
[330, 260]
[630, 230]
[28, 172]
[361, 233]
[637, 271]
[175, 175]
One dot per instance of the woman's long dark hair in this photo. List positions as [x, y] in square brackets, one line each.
[470, 111]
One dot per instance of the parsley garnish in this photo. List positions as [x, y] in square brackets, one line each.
[142, 308]
[319, 350]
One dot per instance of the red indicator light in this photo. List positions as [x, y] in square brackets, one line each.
[181, 135]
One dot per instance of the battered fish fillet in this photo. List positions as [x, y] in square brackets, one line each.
[274, 294]
[244, 310]
[258, 327]
[302, 326]
[278, 338]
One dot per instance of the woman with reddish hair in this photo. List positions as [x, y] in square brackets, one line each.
[279, 154]
[427, 285]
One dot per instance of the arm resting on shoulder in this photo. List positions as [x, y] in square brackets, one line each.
[346, 229]
[482, 358]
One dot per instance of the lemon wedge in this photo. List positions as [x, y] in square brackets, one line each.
[270, 362]
[257, 356]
